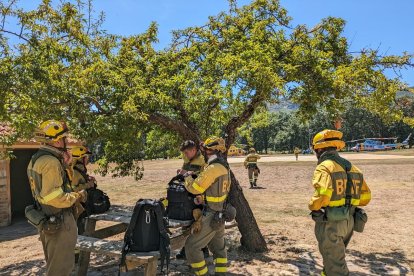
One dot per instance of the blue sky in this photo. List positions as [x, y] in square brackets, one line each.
[386, 24]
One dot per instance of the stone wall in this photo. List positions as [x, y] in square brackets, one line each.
[5, 203]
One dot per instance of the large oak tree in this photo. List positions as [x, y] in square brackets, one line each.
[59, 63]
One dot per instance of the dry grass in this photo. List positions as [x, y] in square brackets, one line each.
[385, 248]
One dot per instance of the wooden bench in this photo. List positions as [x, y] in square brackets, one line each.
[113, 248]
[94, 241]
[134, 259]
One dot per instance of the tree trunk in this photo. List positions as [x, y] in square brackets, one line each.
[252, 239]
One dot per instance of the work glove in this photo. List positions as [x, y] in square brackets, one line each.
[83, 196]
[181, 171]
[188, 173]
[197, 225]
[77, 209]
[198, 200]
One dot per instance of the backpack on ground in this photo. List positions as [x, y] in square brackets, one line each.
[180, 201]
[147, 232]
[97, 202]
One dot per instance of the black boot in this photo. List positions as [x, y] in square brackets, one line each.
[206, 252]
[181, 255]
[255, 183]
[251, 185]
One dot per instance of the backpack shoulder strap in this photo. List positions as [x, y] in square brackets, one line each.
[34, 158]
[165, 250]
[221, 161]
[349, 184]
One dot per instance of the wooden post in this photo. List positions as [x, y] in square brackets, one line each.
[84, 257]
[110, 231]
[151, 267]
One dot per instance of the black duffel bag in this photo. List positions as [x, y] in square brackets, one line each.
[97, 202]
[180, 201]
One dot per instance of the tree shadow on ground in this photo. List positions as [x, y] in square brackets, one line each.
[360, 264]
[304, 260]
[33, 267]
[19, 228]
[391, 263]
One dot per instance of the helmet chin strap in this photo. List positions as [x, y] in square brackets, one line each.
[205, 156]
[64, 144]
[62, 149]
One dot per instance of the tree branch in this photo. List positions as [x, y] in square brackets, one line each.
[238, 121]
[179, 107]
[18, 35]
[185, 131]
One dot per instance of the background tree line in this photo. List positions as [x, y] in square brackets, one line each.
[283, 130]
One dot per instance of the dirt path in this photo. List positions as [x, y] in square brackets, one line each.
[311, 157]
[280, 207]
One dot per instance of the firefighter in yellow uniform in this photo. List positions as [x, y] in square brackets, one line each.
[194, 163]
[250, 163]
[193, 159]
[339, 188]
[48, 182]
[80, 180]
[296, 151]
[214, 184]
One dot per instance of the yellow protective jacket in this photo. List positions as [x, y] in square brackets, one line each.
[49, 183]
[196, 164]
[213, 182]
[78, 179]
[329, 181]
[251, 160]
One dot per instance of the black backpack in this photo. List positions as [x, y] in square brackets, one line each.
[147, 232]
[180, 201]
[97, 202]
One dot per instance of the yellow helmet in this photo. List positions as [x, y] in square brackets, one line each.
[328, 139]
[51, 130]
[215, 143]
[80, 152]
[252, 150]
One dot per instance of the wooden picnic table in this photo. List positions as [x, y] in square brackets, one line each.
[93, 240]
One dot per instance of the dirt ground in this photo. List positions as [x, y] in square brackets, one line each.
[280, 206]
